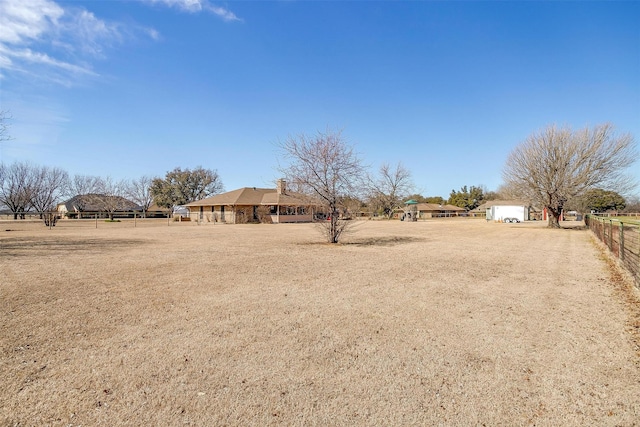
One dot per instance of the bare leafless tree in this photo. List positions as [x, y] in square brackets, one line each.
[557, 164]
[49, 186]
[109, 196]
[353, 207]
[326, 168]
[633, 204]
[5, 117]
[16, 187]
[139, 191]
[83, 184]
[83, 188]
[3, 177]
[390, 187]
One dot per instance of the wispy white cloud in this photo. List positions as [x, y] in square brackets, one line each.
[52, 41]
[223, 13]
[41, 38]
[21, 21]
[151, 32]
[9, 56]
[194, 6]
[186, 5]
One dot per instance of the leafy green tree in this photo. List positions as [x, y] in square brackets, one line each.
[435, 199]
[427, 199]
[417, 197]
[184, 186]
[468, 199]
[600, 200]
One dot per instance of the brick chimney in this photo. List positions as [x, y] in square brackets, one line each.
[281, 186]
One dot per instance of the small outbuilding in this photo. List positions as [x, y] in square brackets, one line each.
[410, 211]
[499, 210]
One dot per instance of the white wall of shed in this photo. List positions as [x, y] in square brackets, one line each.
[499, 213]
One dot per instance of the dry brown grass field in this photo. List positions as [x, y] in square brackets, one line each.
[449, 322]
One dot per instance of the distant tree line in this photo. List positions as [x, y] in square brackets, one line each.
[556, 168]
[25, 187]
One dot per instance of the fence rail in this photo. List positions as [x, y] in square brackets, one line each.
[84, 218]
[622, 237]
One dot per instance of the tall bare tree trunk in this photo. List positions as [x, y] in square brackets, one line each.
[558, 165]
[334, 233]
[554, 218]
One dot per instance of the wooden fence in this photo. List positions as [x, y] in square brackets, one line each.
[622, 237]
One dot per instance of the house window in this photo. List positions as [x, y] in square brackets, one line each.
[273, 210]
[301, 210]
[222, 213]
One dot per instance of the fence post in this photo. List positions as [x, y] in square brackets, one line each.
[621, 241]
[610, 234]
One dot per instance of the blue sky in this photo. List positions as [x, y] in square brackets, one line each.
[131, 88]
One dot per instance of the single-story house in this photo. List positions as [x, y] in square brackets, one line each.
[433, 210]
[95, 203]
[156, 211]
[498, 210]
[251, 204]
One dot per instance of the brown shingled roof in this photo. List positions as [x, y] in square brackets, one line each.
[438, 207]
[251, 196]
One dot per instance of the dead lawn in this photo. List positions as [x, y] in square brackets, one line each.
[429, 323]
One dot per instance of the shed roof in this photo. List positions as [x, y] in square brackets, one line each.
[491, 203]
[435, 207]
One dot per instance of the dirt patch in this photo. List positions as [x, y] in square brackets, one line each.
[380, 241]
[384, 241]
[427, 323]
